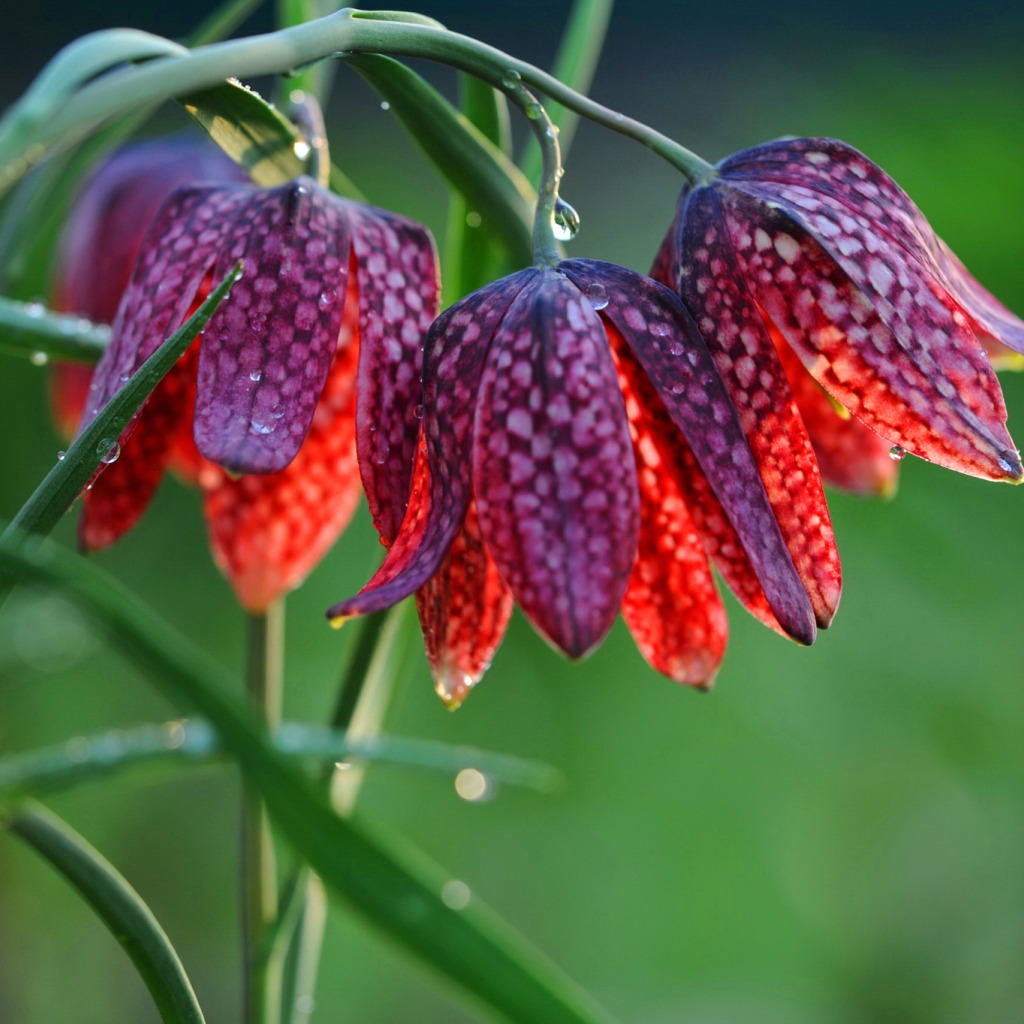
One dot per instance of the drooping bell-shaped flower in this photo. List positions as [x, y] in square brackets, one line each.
[309, 367]
[579, 453]
[812, 237]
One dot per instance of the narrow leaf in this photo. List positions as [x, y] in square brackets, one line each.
[62, 485]
[490, 182]
[575, 65]
[119, 906]
[29, 329]
[401, 893]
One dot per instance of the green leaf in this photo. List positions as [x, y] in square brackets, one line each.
[490, 182]
[62, 485]
[487, 108]
[575, 64]
[85, 759]
[119, 906]
[398, 891]
[31, 330]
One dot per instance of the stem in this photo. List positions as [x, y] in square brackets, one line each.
[23, 142]
[264, 671]
[305, 112]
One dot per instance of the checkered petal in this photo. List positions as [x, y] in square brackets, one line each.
[553, 470]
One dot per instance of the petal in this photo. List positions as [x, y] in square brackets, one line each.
[553, 469]
[712, 287]
[120, 494]
[832, 167]
[268, 531]
[877, 334]
[673, 354]
[464, 611]
[672, 606]
[397, 274]
[267, 349]
[850, 455]
[454, 354]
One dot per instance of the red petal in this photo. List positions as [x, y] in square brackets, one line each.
[672, 606]
[69, 391]
[396, 268]
[553, 470]
[464, 611]
[268, 531]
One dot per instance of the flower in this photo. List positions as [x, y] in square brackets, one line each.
[309, 367]
[810, 236]
[579, 450]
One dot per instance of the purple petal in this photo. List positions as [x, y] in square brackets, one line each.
[675, 357]
[894, 349]
[454, 355]
[397, 274]
[267, 349]
[553, 468]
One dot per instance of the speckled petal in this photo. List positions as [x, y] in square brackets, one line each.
[880, 344]
[268, 531]
[672, 606]
[850, 455]
[396, 269]
[267, 349]
[834, 168]
[120, 494]
[713, 289]
[553, 469]
[464, 610]
[669, 347]
[454, 356]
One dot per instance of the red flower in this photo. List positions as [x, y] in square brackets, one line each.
[305, 370]
[812, 236]
[527, 482]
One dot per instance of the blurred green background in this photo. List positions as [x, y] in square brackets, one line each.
[834, 834]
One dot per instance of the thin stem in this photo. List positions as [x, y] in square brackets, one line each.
[263, 676]
[305, 112]
[24, 141]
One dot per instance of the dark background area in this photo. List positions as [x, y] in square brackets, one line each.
[833, 835]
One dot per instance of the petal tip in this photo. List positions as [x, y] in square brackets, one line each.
[453, 685]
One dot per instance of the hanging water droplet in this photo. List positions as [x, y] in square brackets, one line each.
[255, 375]
[39, 358]
[60, 456]
[897, 454]
[384, 105]
[597, 295]
[1009, 460]
[35, 310]
[511, 78]
[262, 428]
[567, 221]
[108, 450]
[327, 298]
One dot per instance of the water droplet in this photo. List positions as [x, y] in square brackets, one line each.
[124, 378]
[1009, 460]
[60, 456]
[473, 786]
[301, 149]
[257, 322]
[384, 105]
[262, 428]
[511, 78]
[418, 412]
[661, 331]
[327, 298]
[108, 450]
[35, 310]
[897, 454]
[567, 221]
[302, 190]
[551, 131]
[473, 219]
[597, 295]
[533, 112]
[455, 894]
[255, 375]
[676, 349]
[39, 358]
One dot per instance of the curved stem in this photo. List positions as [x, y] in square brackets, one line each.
[23, 141]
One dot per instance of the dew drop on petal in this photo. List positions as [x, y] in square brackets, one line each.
[327, 298]
[897, 454]
[567, 221]
[262, 428]
[1009, 460]
[124, 378]
[597, 295]
[662, 331]
[257, 322]
[39, 358]
[108, 450]
[255, 375]
[418, 412]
